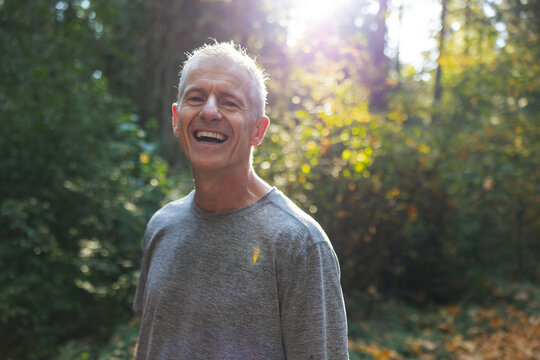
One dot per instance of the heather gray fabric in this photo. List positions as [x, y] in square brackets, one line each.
[260, 282]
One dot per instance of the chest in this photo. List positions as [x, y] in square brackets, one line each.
[213, 272]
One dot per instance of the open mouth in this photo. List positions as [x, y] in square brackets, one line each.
[209, 136]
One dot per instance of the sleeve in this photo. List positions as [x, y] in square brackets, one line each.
[314, 323]
[138, 300]
[139, 292]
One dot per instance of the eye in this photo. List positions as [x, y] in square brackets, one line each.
[195, 99]
[229, 103]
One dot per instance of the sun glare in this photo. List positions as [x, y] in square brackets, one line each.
[412, 33]
[306, 13]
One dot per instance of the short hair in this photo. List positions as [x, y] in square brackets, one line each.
[236, 55]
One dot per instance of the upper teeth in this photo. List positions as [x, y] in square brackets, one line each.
[210, 134]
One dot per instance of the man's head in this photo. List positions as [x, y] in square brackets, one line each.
[228, 52]
[219, 116]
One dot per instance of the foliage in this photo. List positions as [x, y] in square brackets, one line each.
[77, 182]
[121, 345]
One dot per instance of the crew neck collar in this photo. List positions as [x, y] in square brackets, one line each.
[240, 211]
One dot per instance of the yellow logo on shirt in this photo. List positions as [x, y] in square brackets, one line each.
[256, 251]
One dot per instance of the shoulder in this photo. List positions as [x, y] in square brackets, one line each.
[302, 245]
[295, 232]
[292, 217]
[168, 216]
[171, 210]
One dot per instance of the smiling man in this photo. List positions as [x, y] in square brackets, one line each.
[234, 270]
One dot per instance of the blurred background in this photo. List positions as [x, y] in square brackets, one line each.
[408, 129]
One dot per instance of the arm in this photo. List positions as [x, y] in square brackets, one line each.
[313, 317]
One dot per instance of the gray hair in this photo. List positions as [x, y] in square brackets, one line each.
[235, 55]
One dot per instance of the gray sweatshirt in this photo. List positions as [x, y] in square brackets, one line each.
[259, 282]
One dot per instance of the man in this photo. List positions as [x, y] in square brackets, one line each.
[234, 270]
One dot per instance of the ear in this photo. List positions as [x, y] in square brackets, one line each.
[259, 130]
[175, 125]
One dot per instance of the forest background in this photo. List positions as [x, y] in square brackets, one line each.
[425, 175]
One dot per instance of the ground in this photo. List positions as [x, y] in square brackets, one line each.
[504, 325]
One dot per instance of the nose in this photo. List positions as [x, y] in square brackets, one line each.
[210, 110]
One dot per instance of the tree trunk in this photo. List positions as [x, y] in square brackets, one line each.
[380, 64]
[172, 34]
[467, 27]
[398, 61]
[438, 82]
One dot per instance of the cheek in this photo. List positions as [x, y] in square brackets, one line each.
[183, 123]
[182, 131]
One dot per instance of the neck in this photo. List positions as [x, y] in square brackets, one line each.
[218, 192]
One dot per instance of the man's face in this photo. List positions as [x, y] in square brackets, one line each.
[215, 121]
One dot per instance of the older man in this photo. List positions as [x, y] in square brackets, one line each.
[234, 270]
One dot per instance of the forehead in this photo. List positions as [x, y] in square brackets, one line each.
[210, 72]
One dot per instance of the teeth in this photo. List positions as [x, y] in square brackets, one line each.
[210, 134]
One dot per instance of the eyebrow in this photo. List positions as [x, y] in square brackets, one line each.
[190, 89]
[221, 93]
